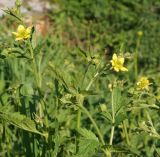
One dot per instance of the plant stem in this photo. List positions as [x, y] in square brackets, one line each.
[96, 127]
[81, 103]
[112, 134]
[136, 58]
[34, 65]
[78, 119]
[93, 122]
[80, 100]
[126, 133]
[92, 80]
[42, 108]
[136, 64]
[113, 120]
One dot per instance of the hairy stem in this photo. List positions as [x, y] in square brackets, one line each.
[113, 120]
[42, 108]
[81, 103]
[126, 133]
[93, 122]
[92, 80]
[136, 57]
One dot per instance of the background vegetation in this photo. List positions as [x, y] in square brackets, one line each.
[59, 96]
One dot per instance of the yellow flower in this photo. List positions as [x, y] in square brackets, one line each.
[22, 33]
[117, 63]
[143, 83]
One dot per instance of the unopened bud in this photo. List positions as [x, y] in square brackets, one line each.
[139, 33]
[102, 108]
[110, 86]
[18, 3]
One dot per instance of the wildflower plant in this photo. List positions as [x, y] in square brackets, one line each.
[63, 101]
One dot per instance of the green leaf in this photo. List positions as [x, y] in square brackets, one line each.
[88, 143]
[117, 97]
[20, 121]
[87, 147]
[87, 134]
[107, 115]
[120, 101]
[120, 117]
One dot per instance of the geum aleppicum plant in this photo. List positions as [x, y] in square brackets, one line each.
[22, 33]
[118, 63]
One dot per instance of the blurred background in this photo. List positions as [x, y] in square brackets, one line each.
[106, 23]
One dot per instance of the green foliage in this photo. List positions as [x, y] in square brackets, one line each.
[59, 94]
[87, 144]
[19, 121]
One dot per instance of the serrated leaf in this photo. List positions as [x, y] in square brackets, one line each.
[158, 151]
[117, 97]
[107, 116]
[120, 101]
[87, 134]
[87, 147]
[58, 75]
[120, 117]
[20, 121]
[88, 143]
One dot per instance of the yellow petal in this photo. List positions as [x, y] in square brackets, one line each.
[124, 69]
[19, 38]
[116, 69]
[28, 30]
[114, 57]
[27, 36]
[20, 29]
[121, 60]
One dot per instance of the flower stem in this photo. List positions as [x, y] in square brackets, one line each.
[34, 65]
[93, 122]
[42, 108]
[92, 80]
[125, 132]
[81, 103]
[113, 119]
[136, 57]
[78, 119]
[112, 134]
